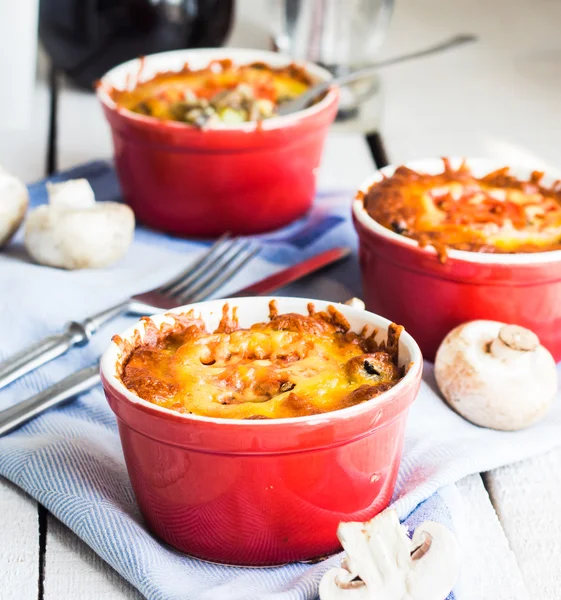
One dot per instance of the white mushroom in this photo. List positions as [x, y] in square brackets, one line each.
[496, 375]
[356, 303]
[382, 563]
[74, 231]
[14, 199]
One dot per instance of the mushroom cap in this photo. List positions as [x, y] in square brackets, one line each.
[79, 238]
[14, 199]
[496, 375]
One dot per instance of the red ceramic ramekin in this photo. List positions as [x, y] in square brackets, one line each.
[261, 492]
[244, 179]
[409, 285]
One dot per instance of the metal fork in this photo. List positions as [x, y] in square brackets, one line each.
[220, 263]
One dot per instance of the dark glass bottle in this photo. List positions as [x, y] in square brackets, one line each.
[86, 38]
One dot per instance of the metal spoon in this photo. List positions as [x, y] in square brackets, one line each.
[305, 99]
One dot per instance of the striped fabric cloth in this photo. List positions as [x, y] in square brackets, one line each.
[70, 459]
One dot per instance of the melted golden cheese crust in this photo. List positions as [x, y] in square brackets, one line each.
[455, 209]
[294, 365]
[170, 95]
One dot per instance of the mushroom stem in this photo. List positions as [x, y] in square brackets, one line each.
[519, 338]
[512, 341]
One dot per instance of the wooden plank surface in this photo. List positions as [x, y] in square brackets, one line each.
[19, 544]
[490, 569]
[527, 497]
[74, 570]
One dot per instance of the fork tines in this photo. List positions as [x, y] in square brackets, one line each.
[224, 259]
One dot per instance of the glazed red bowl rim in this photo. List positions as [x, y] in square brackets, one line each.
[111, 358]
[435, 165]
[199, 57]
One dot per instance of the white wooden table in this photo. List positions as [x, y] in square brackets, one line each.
[500, 98]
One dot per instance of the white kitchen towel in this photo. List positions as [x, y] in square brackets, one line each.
[70, 459]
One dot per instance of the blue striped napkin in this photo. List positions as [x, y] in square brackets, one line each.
[70, 459]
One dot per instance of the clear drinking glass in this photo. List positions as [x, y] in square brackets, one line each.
[342, 36]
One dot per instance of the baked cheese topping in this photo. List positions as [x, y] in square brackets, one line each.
[220, 94]
[455, 209]
[294, 365]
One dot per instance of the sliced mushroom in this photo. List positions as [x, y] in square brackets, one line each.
[496, 375]
[74, 231]
[14, 199]
[382, 563]
[374, 367]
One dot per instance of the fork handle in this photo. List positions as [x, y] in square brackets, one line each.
[71, 386]
[76, 333]
[41, 352]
